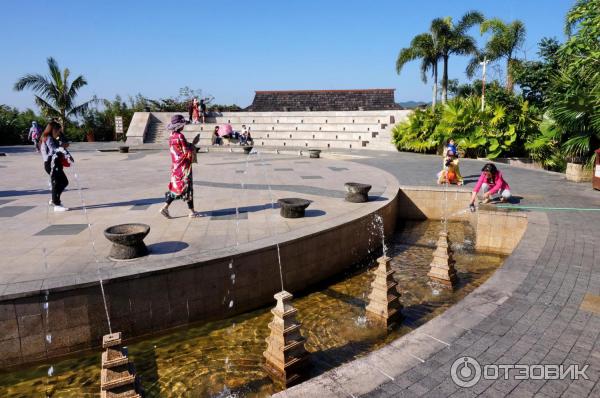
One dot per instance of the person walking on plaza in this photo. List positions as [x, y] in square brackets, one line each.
[491, 182]
[34, 135]
[195, 111]
[191, 110]
[203, 110]
[55, 157]
[182, 155]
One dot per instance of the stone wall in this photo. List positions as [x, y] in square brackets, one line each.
[422, 203]
[497, 230]
[323, 100]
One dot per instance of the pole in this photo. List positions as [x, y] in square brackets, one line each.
[484, 64]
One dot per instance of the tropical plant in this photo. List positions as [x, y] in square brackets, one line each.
[489, 133]
[425, 48]
[575, 108]
[480, 133]
[55, 93]
[533, 77]
[544, 147]
[574, 93]
[453, 39]
[506, 39]
[416, 134]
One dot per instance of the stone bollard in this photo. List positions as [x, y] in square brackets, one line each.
[293, 207]
[357, 192]
[314, 153]
[128, 241]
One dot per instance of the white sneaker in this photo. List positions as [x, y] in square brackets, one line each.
[60, 208]
[50, 203]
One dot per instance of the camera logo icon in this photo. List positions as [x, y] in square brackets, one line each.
[465, 372]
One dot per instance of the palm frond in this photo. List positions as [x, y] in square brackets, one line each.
[78, 83]
[37, 83]
[46, 107]
[83, 108]
[405, 56]
[468, 20]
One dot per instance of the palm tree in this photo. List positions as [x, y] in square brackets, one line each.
[55, 94]
[453, 39]
[506, 39]
[422, 47]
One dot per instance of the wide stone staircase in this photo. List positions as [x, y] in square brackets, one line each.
[325, 130]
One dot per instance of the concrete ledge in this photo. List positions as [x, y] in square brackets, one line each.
[136, 132]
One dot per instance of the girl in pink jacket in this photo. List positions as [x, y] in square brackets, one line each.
[492, 183]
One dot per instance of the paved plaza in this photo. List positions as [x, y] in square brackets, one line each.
[235, 193]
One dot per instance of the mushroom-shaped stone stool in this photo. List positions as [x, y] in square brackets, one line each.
[314, 153]
[357, 192]
[127, 241]
[293, 207]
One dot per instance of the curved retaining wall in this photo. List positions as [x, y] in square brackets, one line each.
[162, 299]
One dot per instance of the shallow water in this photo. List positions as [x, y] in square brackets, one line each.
[224, 358]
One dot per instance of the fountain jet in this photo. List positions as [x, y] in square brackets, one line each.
[384, 306]
[286, 357]
[442, 267]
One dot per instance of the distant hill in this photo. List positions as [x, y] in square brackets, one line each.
[412, 104]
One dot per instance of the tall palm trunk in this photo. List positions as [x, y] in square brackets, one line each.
[435, 85]
[63, 120]
[510, 85]
[445, 81]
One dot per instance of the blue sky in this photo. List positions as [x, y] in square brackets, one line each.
[231, 48]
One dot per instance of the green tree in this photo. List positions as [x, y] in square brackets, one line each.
[506, 40]
[14, 125]
[533, 77]
[425, 48]
[56, 94]
[574, 95]
[453, 39]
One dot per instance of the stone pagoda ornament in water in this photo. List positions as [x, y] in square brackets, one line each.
[286, 357]
[442, 267]
[384, 306]
[117, 377]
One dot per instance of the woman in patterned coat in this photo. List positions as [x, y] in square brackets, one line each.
[182, 154]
